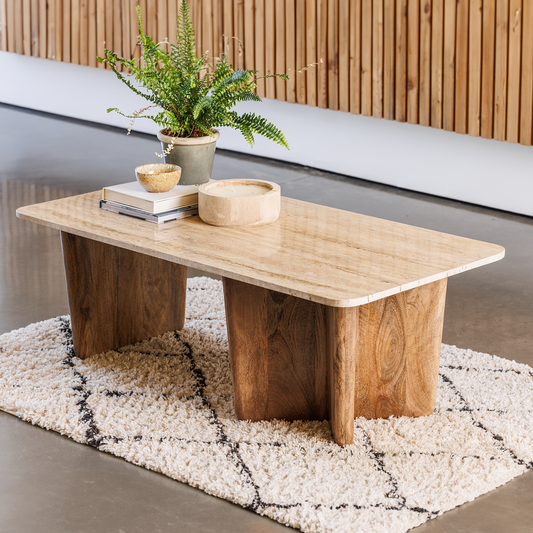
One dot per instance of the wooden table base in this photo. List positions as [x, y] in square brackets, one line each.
[118, 297]
[294, 359]
[291, 359]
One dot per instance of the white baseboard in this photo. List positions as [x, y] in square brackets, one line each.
[479, 171]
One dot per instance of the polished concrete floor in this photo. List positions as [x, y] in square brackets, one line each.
[50, 484]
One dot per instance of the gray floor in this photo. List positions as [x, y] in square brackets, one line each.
[51, 484]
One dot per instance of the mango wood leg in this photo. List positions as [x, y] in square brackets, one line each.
[277, 352]
[342, 336]
[118, 297]
[399, 351]
[293, 359]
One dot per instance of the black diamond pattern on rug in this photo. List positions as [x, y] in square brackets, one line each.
[166, 404]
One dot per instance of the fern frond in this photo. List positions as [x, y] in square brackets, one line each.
[202, 103]
[284, 77]
[259, 125]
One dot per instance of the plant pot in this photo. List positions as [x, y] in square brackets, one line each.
[194, 155]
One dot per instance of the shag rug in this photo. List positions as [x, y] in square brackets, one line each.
[166, 404]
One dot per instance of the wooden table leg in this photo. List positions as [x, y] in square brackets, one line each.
[293, 359]
[399, 351]
[277, 349]
[342, 351]
[118, 297]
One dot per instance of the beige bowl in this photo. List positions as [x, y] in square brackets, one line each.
[219, 207]
[158, 177]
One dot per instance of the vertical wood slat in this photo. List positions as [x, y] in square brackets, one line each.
[322, 57]
[108, 30]
[515, 45]
[401, 61]
[413, 30]
[279, 24]
[270, 38]
[437, 48]
[448, 70]
[161, 21]
[526, 89]
[461, 66]
[19, 26]
[172, 24]
[58, 56]
[66, 49]
[424, 107]
[91, 33]
[218, 24]
[75, 31]
[366, 58]
[290, 49]
[84, 32]
[238, 33]
[51, 44]
[206, 43]
[117, 27]
[389, 44]
[249, 63]
[377, 58]
[311, 52]
[144, 14]
[355, 56]
[500, 69]
[228, 29]
[3, 26]
[26, 27]
[100, 29]
[333, 55]
[487, 68]
[259, 56]
[474, 67]
[196, 8]
[10, 25]
[126, 29]
[43, 26]
[149, 18]
[300, 52]
[34, 26]
[200, 26]
[344, 55]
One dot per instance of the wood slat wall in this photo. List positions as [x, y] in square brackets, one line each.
[461, 65]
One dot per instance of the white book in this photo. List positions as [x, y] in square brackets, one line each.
[133, 195]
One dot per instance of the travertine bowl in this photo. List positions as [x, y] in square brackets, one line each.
[239, 211]
[158, 177]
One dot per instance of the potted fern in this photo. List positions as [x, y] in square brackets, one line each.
[191, 98]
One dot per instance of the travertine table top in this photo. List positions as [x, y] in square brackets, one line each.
[325, 255]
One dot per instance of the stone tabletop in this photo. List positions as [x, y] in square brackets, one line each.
[318, 253]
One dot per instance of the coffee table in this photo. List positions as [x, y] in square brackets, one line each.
[330, 314]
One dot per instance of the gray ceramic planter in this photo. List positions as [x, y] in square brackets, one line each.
[194, 155]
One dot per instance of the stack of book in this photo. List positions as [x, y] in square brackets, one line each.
[132, 200]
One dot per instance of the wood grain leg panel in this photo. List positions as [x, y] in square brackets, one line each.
[277, 352]
[342, 351]
[399, 351]
[119, 297]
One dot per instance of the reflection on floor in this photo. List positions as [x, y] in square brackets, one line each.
[51, 484]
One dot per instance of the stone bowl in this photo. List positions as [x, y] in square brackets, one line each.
[158, 177]
[256, 210]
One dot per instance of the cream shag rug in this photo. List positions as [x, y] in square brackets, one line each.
[166, 404]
